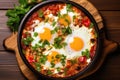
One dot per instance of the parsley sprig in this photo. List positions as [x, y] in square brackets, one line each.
[16, 14]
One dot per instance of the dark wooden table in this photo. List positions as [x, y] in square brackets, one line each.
[109, 9]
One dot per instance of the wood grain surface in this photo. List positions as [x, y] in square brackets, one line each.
[109, 9]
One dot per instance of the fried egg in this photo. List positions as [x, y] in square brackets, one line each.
[77, 42]
[44, 33]
[52, 58]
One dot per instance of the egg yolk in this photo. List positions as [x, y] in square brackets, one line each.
[77, 44]
[64, 20]
[46, 34]
[52, 57]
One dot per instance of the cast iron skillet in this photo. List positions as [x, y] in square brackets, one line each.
[21, 27]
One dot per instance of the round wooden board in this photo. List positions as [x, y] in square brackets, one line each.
[108, 46]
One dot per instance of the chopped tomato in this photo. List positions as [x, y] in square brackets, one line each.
[31, 58]
[82, 59]
[92, 51]
[86, 21]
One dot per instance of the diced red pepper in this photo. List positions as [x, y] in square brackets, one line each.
[82, 59]
[86, 21]
[31, 59]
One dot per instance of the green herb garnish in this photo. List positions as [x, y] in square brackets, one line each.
[45, 42]
[65, 70]
[35, 34]
[63, 58]
[86, 53]
[58, 56]
[38, 66]
[73, 61]
[67, 31]
[27, 41]
[46, 19]
[59, 14]
[15, 15]
[49, 72]
[43, 59]
[40, 13]
[69, 8]
[91, 25]
[52, 64]
[58, 69]
[53, 31]
[74, 17]
[54, 23]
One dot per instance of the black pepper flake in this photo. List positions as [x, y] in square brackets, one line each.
[78, 68]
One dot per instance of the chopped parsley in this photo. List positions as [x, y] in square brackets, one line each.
[63, 58]
[43, 59]
[52, 64]
[91, 25]
[49, 72]
[35, 34]
[86, 53]
[45, 42]
[59, 14]
[67, 31]
[74, 17]
[69, 8]
[40, 13]
[54, 23]
[58, 43]
[73, 61]
[46, 19]
[58, 69]
[38, 66]
[55, 30]
[28, 40]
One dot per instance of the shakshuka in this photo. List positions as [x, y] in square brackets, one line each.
[59, 40]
